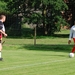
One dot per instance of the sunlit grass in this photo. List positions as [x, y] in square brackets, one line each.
[50, 56]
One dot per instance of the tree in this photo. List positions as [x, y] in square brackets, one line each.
[46, 12]
[69, 14]
[2, 6]
[72, 4]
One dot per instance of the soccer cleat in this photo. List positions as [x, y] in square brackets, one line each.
[1, 59]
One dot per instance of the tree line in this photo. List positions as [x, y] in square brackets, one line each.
[45, 14]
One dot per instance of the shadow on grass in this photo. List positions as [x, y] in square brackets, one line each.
[31, 36]
[61, 35]
[41, 47]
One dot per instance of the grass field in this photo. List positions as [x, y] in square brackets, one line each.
[48, 57]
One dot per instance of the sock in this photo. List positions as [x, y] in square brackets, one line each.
[0, 54]
[73, 50]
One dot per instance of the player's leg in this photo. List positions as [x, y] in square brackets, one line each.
[73, 50]
[0, 48]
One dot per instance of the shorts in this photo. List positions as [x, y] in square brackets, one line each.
[0, 36]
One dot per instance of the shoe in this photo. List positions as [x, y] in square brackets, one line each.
[1, 59]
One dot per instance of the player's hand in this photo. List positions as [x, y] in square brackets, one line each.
[5, 35]
[69, 41]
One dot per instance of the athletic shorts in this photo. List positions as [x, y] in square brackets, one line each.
[0, 36]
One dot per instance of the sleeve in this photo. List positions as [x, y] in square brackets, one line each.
[1, 27]
[71, 34]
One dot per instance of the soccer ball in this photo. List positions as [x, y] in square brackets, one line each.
[71, 55]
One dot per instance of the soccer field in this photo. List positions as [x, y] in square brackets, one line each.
[48, 57]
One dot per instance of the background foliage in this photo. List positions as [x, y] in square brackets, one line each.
[46, 14]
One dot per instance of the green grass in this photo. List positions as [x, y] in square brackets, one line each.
[48, 57]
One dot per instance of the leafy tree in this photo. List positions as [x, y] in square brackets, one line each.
[46, 14]
[2, 6]
[72, 8]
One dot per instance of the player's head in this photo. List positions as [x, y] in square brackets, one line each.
[2, 18]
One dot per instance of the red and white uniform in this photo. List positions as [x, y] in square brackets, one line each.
[72, 35]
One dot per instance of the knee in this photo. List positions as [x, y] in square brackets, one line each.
[0, 47]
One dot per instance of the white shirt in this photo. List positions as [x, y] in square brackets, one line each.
[3, 28]
[72, 32]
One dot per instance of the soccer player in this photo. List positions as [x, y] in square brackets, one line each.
[72, 36]
[2, 32]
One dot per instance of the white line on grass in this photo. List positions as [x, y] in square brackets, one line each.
[30, 65]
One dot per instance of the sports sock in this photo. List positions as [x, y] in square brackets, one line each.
[0, 54]
[73, 50]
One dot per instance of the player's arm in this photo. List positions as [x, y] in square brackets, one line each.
[3, 33]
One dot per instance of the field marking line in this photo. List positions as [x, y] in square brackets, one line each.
[30, 65]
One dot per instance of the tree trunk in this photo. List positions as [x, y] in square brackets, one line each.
[35, 35]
